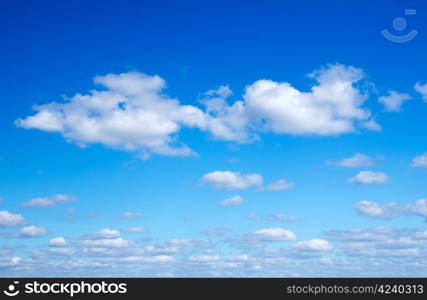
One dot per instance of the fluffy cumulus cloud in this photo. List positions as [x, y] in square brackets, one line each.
[355, 161]
[331, 107]
[369, 177]
[105, 238]
[420, 161]
[232, 201]
[49, 201]
[392, 210]
[232, 180]
[8, 219]
[422, 89]
[394, 101]
[32, 231]
[131, 112]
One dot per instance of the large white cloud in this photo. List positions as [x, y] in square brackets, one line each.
[392, 210]
[369, 177]
[232, 180]
[330, 108]
[49, 201]
[8, 219]
[132, 113]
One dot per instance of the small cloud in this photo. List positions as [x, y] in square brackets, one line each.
[233, 201]
[49, 201]
[369, 177]
[92, 215]
[219, 231]
[253, 217]
[394, 101]
[105, 233]
[232, 180]
[422, 89]
[420, 161]
[32, 231]
[136, 230]
[130, 216]
[371, 125]
[356, 161]
[8, 219]
[284, 218]
[58, 242]
[274, 234]
[279, 185]
[391, 210]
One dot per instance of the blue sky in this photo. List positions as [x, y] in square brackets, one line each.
[168, 138]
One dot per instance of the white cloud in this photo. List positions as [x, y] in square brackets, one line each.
[371, 124]
[358, 160]
[232, 180]
[232, 201]
[150, 259]
[369, 177]
[8, 219]
[274, 234]
[136, 230]
[130, 216]
[313, 245]
[49, 201]
[106, 243]
[253, 216]
[32, 231]
[58, 242]
[422, 89]
[377, 210]
[391, 210]
[131, 114]
[279, 185]
[420, 161]
[284, 218]
[394, 101]
[330, 108]
[219, 231]
[204, 258]
[105, 233]
[61, 251]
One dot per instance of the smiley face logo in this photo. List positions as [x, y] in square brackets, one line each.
[11, 290]
[400, 24]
